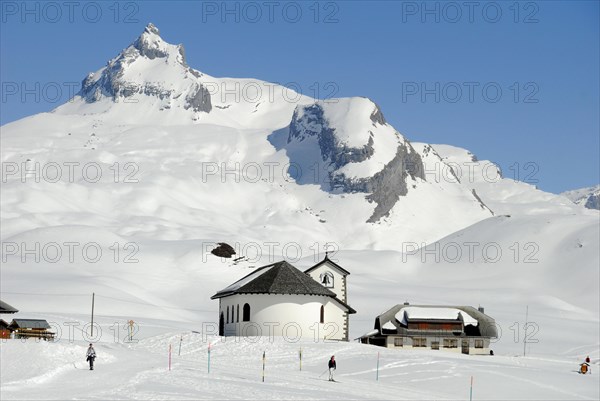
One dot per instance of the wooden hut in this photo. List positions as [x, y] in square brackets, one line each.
[31, 328]
[4, 325]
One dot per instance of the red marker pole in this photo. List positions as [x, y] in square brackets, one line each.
[263, 371]
[208, 357]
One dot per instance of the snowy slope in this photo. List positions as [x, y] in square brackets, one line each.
[140, 371]
[504, 195]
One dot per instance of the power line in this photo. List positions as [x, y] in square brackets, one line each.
[36, 293]
[107, 297]
[150, 304]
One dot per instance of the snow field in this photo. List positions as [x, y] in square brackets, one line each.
[140, 371]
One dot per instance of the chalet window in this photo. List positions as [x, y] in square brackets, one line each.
[419, 342]
[478, 343]
[398, 342]
[246, 311]
[322, 314]
[435, 345]
[327, 279]
[450, 343]
[227, 321]
[238, 313]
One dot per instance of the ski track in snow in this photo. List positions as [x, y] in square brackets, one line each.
[139, 371]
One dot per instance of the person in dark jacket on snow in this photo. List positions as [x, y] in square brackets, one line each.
[91, 355]
[332, 367]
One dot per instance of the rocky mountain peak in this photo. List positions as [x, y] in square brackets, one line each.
[151, 29]
[149, 67]
[150, 44]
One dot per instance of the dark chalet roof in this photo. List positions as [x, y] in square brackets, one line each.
[29, 324]
[277, 278]
[6, 308]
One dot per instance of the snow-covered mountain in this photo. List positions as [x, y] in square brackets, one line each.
[155, 162]
[192, 142]
[587, 197]
[150, 83]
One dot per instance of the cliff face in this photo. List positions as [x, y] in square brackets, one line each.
[342, 146]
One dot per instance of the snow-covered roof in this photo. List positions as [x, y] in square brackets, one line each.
[389, 326]
[370, 333]
[434, 313]
[474, 319]
[245, 280]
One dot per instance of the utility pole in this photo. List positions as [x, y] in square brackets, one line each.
[92, 325]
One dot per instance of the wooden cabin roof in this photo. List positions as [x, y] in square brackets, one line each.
[29, 324]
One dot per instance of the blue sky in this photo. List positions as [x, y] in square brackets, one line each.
[514, 82]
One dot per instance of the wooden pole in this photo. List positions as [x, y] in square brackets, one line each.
[300, 358]
[180, 341]
[92, 325]
[377, 375]
[169, 356]
[208, 357]
[131, 323]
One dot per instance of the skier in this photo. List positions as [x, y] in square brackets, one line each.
[332, 367]
[585, 366]
[91, 355]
